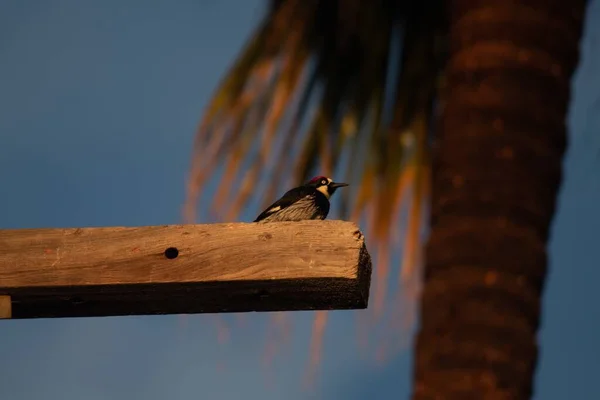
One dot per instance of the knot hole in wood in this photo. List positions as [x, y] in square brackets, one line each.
[171, 253]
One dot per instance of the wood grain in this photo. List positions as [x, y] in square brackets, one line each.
[184, 269]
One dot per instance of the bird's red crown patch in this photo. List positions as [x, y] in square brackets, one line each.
[317, 178]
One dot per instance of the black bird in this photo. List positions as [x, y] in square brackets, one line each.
[309, 201]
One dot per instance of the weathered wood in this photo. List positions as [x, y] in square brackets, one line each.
[178, 269]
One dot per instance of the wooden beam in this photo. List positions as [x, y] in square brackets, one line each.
[180, 269]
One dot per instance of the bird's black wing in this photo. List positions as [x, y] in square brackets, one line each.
[289, 198]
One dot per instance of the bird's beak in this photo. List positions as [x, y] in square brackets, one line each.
[335, 185]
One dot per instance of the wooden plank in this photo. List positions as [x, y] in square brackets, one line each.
[177, 269]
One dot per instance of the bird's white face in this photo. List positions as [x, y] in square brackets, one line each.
[323, 186]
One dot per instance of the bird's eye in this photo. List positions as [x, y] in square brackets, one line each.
[323, 182]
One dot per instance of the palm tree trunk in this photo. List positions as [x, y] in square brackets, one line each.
[496, 173]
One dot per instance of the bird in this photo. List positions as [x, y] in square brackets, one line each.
[309, 201]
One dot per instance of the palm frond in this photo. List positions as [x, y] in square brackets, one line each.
[317, 89]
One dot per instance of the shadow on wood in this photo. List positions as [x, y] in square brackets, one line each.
[180, 269]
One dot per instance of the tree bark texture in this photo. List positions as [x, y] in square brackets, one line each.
[496, 174]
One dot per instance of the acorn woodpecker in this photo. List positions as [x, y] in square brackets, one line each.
[309, 201]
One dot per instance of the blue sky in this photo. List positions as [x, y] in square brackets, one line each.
[99, 101]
